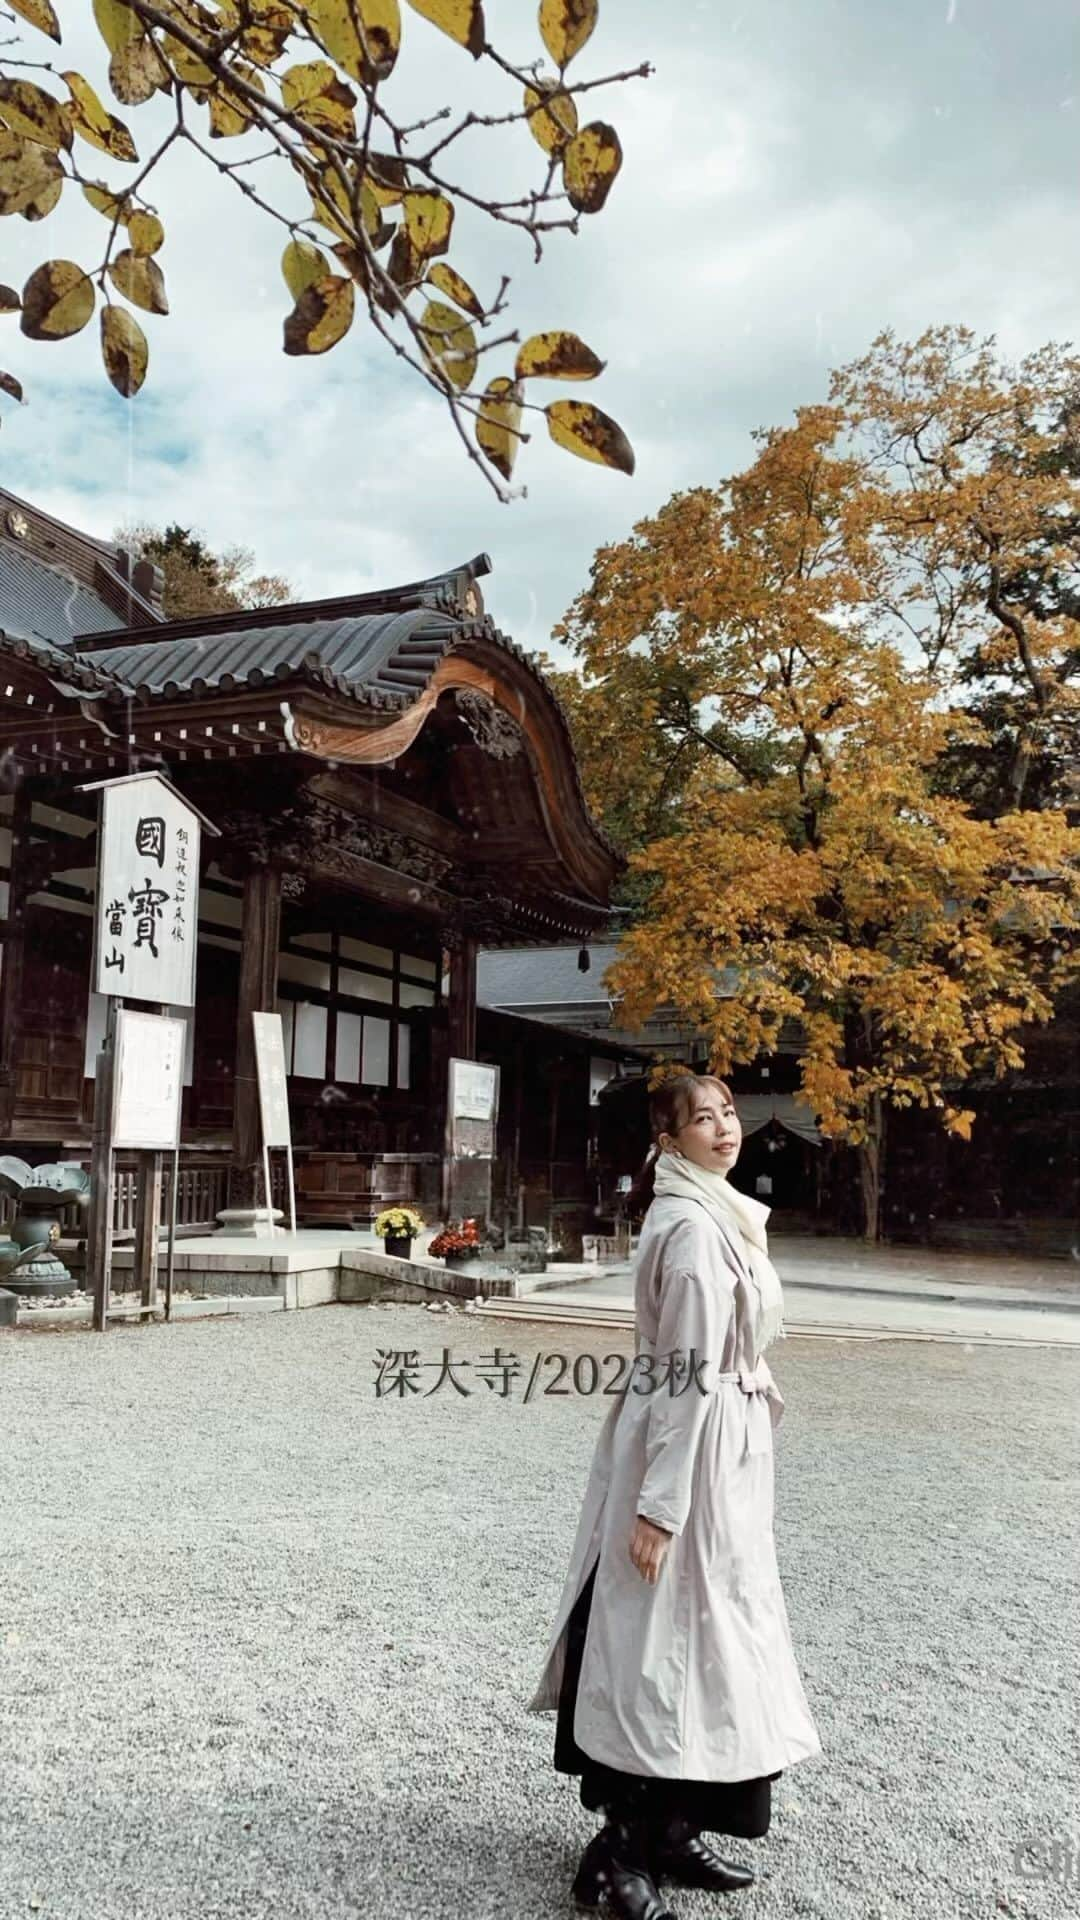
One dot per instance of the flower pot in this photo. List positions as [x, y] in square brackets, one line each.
[459, 1260]
[399, 1244]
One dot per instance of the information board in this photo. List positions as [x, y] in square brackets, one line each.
[473, 1090]
[273, 1088]
[146, 914]
[472, 1110]
[149, 1081]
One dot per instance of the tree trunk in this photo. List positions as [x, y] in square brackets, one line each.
[860, 1046]
[872, 1170]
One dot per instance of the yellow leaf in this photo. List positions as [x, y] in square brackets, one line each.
[34, 115]
[40, 14]
[553, 119]
[321, 317]
[363, 36]
[556, 356]
[305, 81]
[332, 210]
[11, 386]
[450, 282]
[267, 30]
[387, 175]
[404, 267]
[136, 71]
[93, 123]
[498, 422]
[463, 20]
[448, 343]
[43, 202]
[57, 301]
[303, 264]
[331, 206]
[590, 164]
[565, 25]
[230, 113]
[582, 429]
[139, 280]
[124, 350]
[186, 65]
[145, 232]
[117, 25]
[201, 25]
[360, 268]
[428, 221]
[115, 206]
[316, 92]
[27, 172]
[371, 217]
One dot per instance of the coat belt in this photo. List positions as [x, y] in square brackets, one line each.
[750, 1379]
[757, 1380]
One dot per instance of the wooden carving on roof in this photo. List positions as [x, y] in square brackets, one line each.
[491, 727]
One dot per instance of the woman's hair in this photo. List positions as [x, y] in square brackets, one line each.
[670, 1107]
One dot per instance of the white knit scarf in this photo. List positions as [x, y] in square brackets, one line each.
[731, 1209]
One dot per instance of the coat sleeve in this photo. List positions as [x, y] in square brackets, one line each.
[695, 1307]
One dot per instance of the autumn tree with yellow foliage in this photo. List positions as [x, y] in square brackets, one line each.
[325, 155]
[774, 705]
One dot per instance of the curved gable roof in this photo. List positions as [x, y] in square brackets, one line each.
[380, 651]
[380, 659]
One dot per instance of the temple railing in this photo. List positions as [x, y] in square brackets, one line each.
[202, 1192]
[333, 1188]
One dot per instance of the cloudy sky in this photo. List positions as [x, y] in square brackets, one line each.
[798, 175]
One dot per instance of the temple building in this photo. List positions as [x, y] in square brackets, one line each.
[395, 788]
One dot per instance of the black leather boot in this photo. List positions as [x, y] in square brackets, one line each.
[680, 1854]
[631, 1891]
[594, 1870]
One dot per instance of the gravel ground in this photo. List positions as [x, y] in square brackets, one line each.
[269, 1638]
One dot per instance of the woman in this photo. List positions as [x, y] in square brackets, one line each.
[670, 1664]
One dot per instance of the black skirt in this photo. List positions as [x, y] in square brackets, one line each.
[740, 1807]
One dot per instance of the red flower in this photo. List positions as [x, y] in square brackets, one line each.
[455, 1240]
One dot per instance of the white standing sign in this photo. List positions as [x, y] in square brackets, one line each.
[273, 1105]
[149, 1081]
[146, 920]
[474, 1090]
[273, 1089]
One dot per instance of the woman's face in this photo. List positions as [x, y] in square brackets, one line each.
[712, 1136]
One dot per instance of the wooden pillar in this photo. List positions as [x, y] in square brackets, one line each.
[11, 985]
[463, 1000]
[260, 937]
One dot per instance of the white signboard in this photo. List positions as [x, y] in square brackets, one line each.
[473, 1090]
[149, 1080]
[146, 918]
[270, 1068]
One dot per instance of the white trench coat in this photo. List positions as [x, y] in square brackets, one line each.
[693, 1678]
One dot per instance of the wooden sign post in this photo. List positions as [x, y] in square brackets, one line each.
[146, 923]
[149, 1085]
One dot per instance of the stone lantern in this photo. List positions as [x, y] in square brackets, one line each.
[29, 1262]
